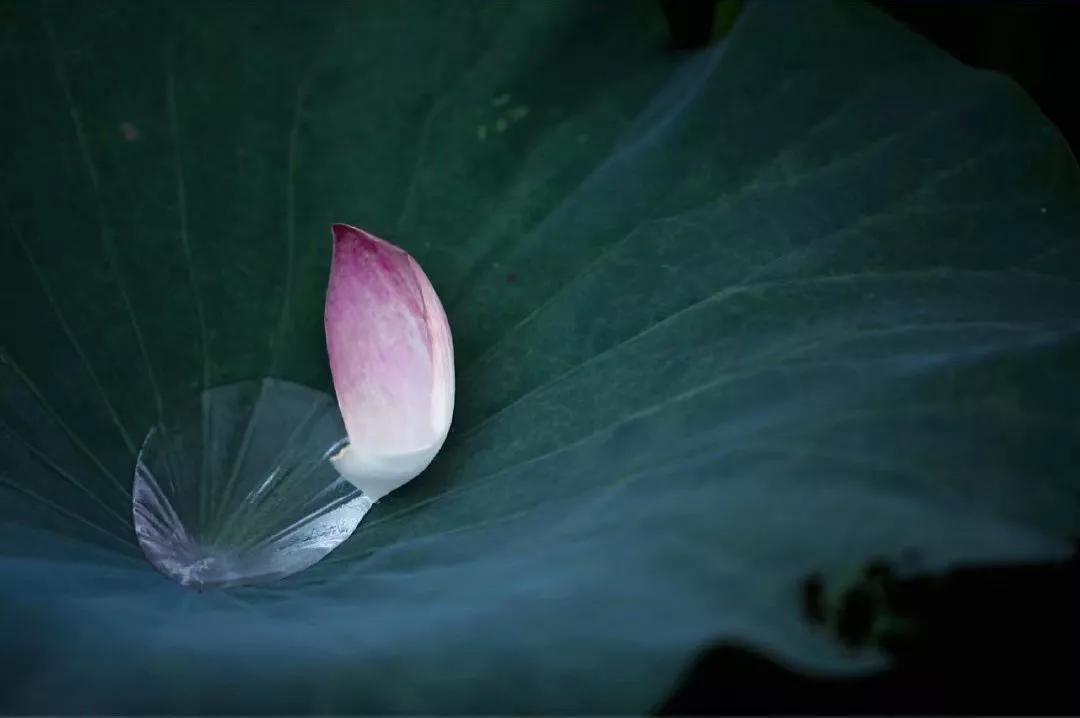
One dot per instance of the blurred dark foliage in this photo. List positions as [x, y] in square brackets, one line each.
[987, 640]
[990, 639]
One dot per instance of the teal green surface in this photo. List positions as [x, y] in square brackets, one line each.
[803, 298]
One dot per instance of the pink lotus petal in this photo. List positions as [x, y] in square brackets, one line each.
[392, 360]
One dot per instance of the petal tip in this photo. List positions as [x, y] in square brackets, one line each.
[344, 233]
[348, 234]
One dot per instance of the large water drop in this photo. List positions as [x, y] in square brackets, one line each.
[237, 488]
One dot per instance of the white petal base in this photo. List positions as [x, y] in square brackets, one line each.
[377, 475]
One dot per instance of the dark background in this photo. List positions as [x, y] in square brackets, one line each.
[989, 639]
[1033, 42]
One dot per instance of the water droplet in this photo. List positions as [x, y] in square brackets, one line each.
[236, 488]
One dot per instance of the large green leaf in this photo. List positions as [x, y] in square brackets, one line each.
[803, 298]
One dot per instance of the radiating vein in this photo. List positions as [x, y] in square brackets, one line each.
[95, 183]
[55, 416]
[290, 222]
[182, 210]
[185, 243]
[727, 294]
[722, 378]
[627, 151]
[753, 276]
[342, 555]
[434, 108]
[47, 289]
[50, 464]
[487, 478]
[756, 183]
[68, 514]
